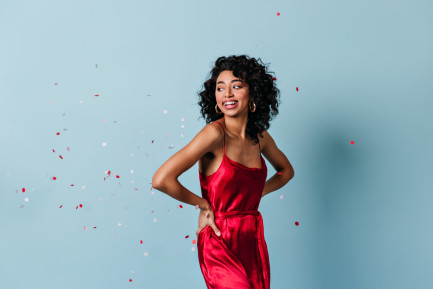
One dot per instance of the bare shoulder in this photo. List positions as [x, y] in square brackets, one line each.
[204, 141]
[273, 154]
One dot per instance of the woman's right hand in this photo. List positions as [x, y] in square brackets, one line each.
[206, 218]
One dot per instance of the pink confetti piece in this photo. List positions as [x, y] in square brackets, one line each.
[297, 223]
[352, 142]
[23, 190]
[104, 120]
[85, 228]
[60, 156]
[297, 89]
[187, 236]
[68, 149]
[57, 133]
[197, 207]
[194, 241]
[180, 206]
[54, 178]
[281, 197]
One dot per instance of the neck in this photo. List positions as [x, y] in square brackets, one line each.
[236, 125]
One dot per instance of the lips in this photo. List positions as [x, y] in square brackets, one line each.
[230, 102]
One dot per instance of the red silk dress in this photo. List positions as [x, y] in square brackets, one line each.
[239, 257]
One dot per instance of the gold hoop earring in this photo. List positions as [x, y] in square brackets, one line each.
[217, 108]
[252, 110]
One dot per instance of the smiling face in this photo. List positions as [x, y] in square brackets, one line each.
[233, 91]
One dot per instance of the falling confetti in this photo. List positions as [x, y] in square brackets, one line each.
[68, 149]
[187, 236]
[141, 241]
[23, 190]
[281, 197]
[146, 254]
[352, 142]
[197, 207]
[57, 133]
[104, 144]
[60, 156]
[26, 199]
[61, 206]
[55, 83]
[297, 223]
[194, 241]
[130, 280]
[96, 95]
[279, 173]
[278, 14]
[297, 89]
[132, 171]
[165, 111]
[180, 206]
[85, 228]
[54, 178]
[153, 141]
[117, 176]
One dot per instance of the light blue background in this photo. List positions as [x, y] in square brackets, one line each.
[364, 71]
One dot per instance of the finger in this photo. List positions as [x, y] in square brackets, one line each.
[216, 230]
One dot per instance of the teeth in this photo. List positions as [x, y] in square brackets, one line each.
[230, 102]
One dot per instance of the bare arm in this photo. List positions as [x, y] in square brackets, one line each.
[280, 163]
[165, 178]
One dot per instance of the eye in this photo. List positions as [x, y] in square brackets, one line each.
[218, 88]
[240, 86]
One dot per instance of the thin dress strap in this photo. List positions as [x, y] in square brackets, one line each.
[224, 149]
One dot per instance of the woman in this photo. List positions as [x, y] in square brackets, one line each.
[237, 102]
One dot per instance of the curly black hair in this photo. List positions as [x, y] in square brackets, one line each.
[262, 90]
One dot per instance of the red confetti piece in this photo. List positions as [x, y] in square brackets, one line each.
[279, 173]
[180, 206]
[23, 190]
[141, 241]
[81, 205]
[352, 142]
[54, 151]
[130, 280]
[297, 223]
[274, 78]
[94, 227]
[96, 95]
[153, 141]
[76, 207]
[109, 172]
[194, 241]
[136, 189]
[72, 185]
[54, 178]
[61, 206]
[278, 13]
[57, 133]
[297, 89]
[117, 176]
[187, 236]
[60, 156]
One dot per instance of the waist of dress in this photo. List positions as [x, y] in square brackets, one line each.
[228, 214]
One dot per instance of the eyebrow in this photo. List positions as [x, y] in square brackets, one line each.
[234, 80]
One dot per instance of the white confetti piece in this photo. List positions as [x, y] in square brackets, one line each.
[165, 111]
[26, 199]
[146, 254]
[104, 144]
[193, 249]
[182, 119]
[155, 220]
[119, 224]
[132, 171]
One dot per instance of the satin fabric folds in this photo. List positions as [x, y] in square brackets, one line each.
[239, 257]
